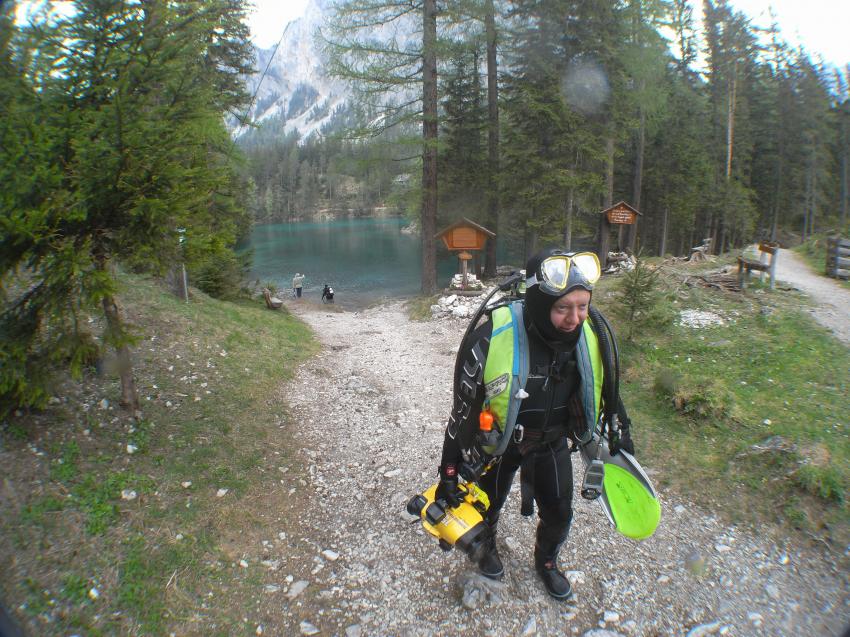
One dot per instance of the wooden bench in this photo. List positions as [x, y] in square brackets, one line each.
[762, 259]
[272, 302]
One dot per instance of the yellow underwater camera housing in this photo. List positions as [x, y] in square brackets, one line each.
[462, 526]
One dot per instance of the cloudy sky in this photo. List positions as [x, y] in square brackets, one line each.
[819, 25]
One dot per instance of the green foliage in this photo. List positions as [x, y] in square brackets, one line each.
[35, 513]
[709, 400]
[64, 469]
[643, 302]
[667, 383]
[141, 585]
[110, 150]
[97, 497]
[75, 588]
[220, 275]
[823, 482]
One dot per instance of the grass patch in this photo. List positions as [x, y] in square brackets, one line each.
[97, 497]
[749, 417]
[208, 374]
[64, 469]
[36, 513]
[419, 307]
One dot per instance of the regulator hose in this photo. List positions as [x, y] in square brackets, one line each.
[610, 366]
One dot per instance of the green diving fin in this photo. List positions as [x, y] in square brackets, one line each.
[628, 498]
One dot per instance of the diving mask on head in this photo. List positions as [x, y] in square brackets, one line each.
[558, 273]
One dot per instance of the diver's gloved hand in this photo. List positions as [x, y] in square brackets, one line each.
[623, 441]
[447, 489]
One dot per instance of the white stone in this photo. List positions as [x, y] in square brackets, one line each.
[128, 494]
[575, 577]
[221, 493]
[703, 629]
[308, 629]
[131, 449]
[186, 484]
[328, 554]
[611, 617]
[297, 588]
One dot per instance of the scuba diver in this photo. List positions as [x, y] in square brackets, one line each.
[327, 294]
[550, 336]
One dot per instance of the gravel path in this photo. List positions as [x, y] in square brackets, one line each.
[371, 409]
[832, 300]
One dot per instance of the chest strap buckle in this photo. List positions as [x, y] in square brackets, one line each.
[519, 433]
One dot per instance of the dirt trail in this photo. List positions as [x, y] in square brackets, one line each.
[370, 412]
[832, 300]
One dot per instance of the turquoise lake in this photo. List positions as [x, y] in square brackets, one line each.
[363, 260]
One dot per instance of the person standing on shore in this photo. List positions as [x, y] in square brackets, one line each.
[297, 284]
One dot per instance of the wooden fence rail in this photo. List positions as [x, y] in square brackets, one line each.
[838, 258]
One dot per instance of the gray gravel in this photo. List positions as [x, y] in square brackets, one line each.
[371, 409]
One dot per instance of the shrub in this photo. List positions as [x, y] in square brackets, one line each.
[643, 301]
[220, 275]
[823, 482]
[706, 400]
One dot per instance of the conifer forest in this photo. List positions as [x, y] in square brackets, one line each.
[528, 117]
[537, 115]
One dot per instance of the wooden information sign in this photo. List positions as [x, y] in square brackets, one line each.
[621, 213]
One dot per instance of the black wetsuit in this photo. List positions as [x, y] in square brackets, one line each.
[547, 417]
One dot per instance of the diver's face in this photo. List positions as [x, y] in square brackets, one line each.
[570, 311]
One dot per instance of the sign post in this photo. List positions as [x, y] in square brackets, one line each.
[620, 214]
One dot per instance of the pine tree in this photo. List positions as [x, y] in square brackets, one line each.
[134, 147]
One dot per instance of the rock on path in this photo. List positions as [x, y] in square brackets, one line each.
[370, 412]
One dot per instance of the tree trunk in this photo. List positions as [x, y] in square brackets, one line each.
[638, 177]
[730, 141]
[814, 205]
[777, 198]
[568, 220]
[428, 221]
[663, 247]
[845, 148]
[492, 140]
[604, 226]
[129, 398]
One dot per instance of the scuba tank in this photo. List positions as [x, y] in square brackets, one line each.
[462, 526]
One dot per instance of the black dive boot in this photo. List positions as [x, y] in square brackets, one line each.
[489, 563]
[546, 563]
